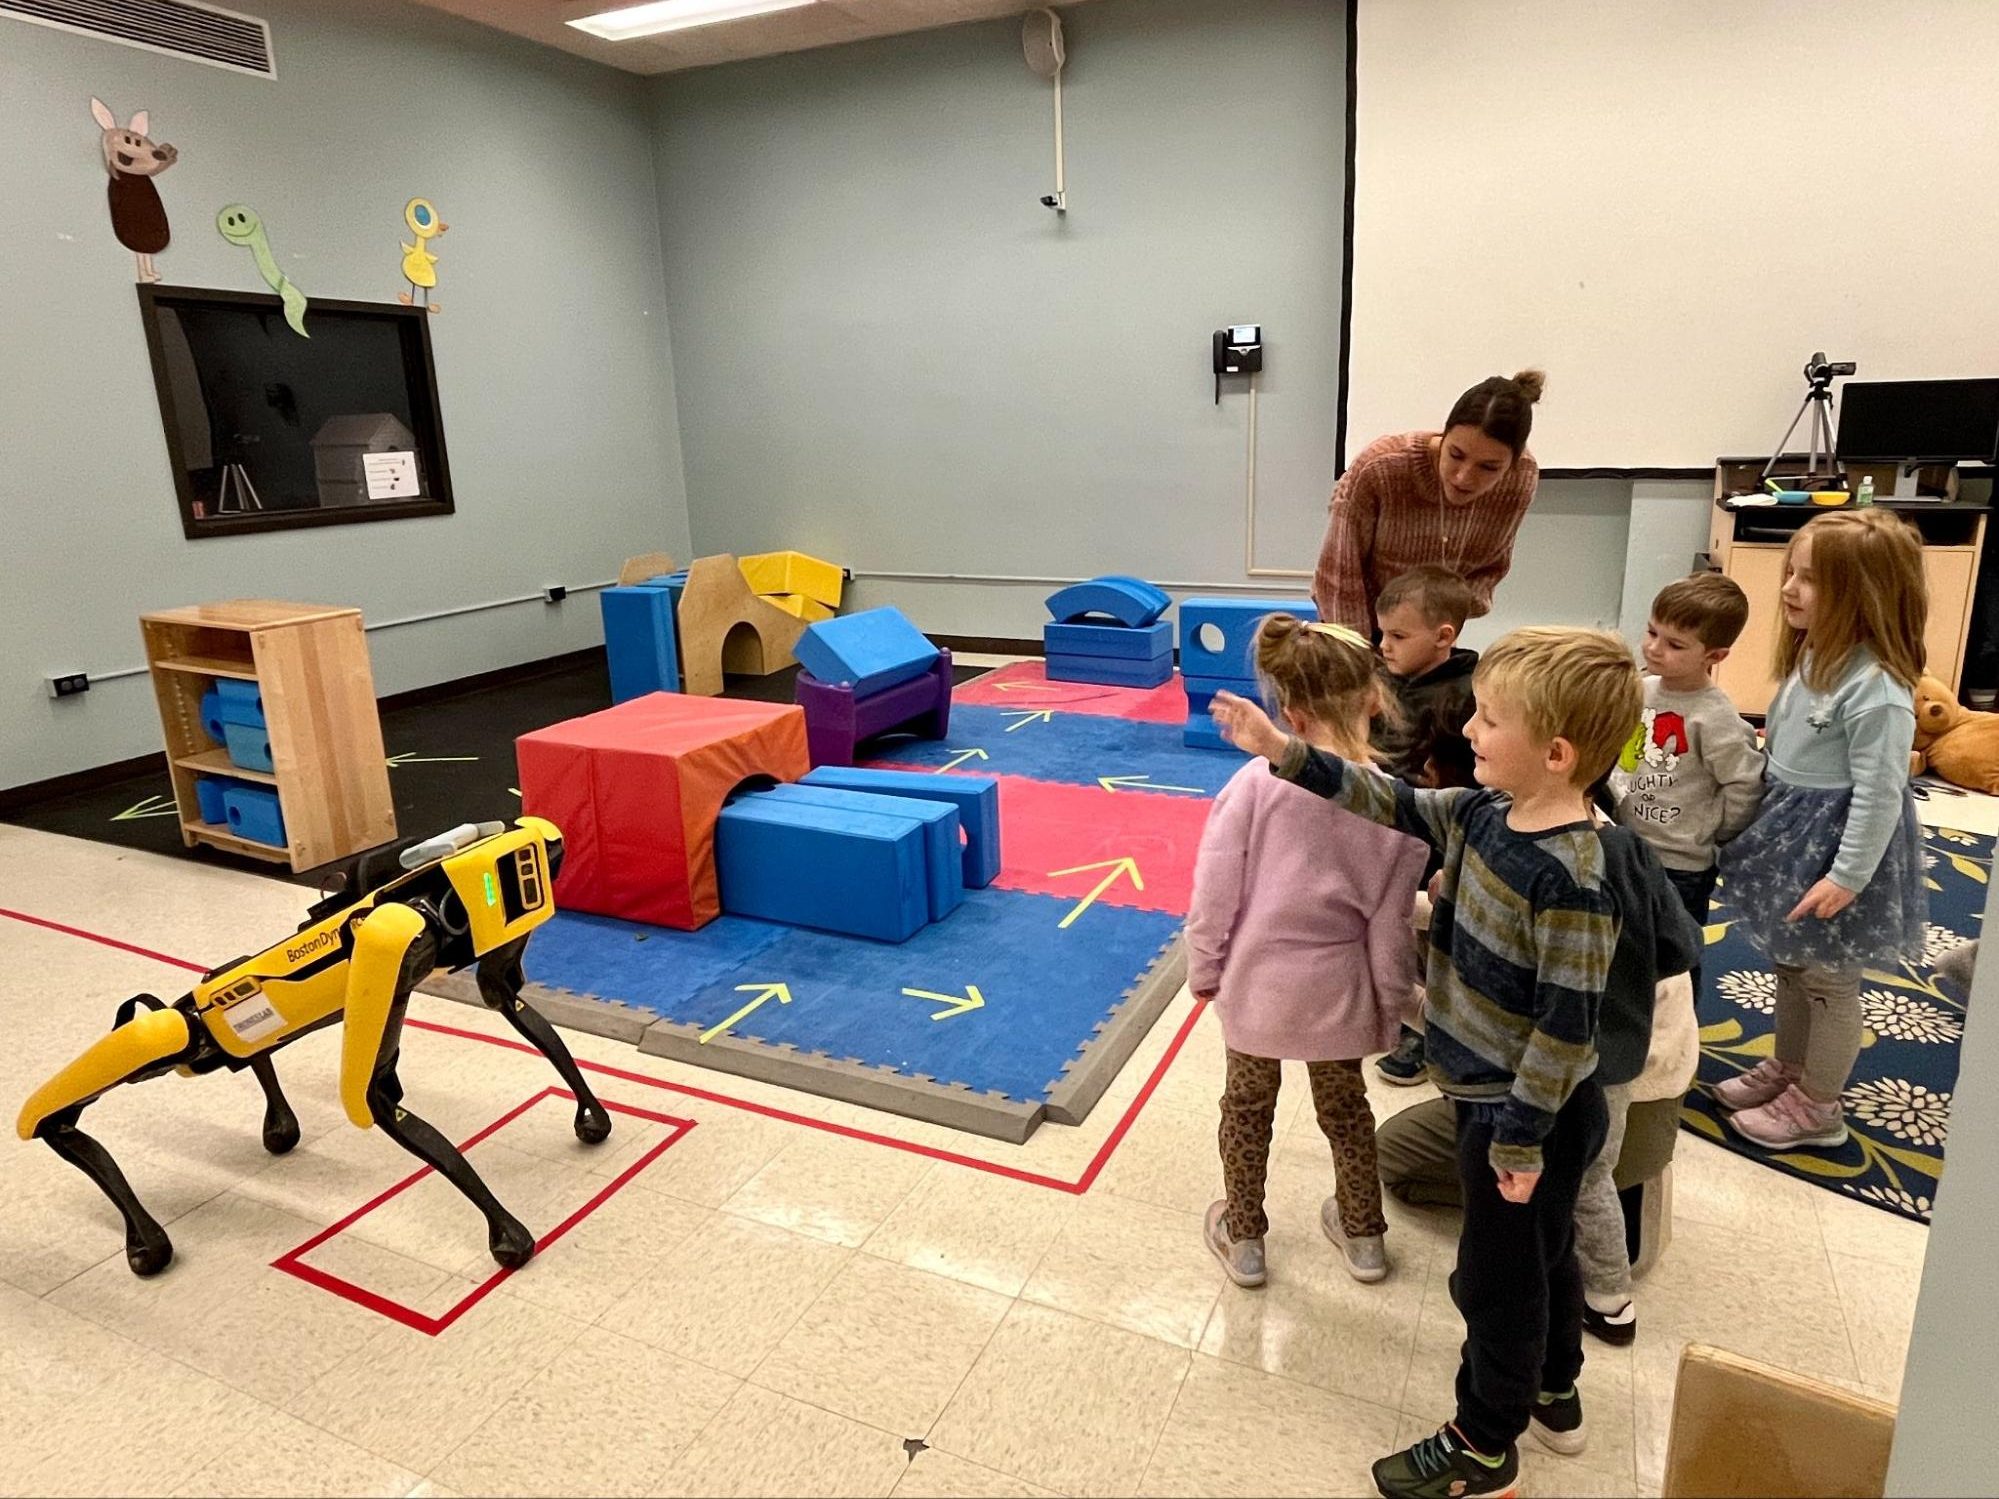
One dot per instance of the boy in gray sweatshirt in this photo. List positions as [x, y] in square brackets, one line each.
[1692, 776]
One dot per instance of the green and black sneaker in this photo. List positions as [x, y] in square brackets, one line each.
[1443, 1467]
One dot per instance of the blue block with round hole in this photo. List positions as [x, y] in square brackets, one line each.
[870, 651]
[975, 797]
[252, 812]
[230, 701]
[944, 867]
[835, 870]
[1230, 625]
[249, 746]
[1130, 601]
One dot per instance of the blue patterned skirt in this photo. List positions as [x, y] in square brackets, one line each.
[1767, 868]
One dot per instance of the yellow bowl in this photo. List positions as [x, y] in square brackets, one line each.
[1831, 497]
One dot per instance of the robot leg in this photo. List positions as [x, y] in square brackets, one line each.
[500, 982]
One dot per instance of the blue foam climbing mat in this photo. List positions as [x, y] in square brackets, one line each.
[1071, 747]
[1043, 990]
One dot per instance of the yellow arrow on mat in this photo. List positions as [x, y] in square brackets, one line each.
[764, 992]
[953, 1004]
[411, 757]
[961, 757]
[1024, 687]
[152, 806]
[1117, 868]
[1027, 716]
[1141, 783]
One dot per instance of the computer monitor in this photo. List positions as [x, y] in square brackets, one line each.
[1903, 421]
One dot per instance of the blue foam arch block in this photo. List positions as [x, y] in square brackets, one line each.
[944, 865]
[1237, 620]
[1133, 605]
[640, 641]
[1110, 671]
[975, 797]
[869, 651]
[857, 873]
[1152, 591]
[1120, 642]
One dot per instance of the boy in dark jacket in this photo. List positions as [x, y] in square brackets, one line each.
[1419, 615]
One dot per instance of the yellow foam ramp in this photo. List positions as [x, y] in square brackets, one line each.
[810, 610]
[776, 574]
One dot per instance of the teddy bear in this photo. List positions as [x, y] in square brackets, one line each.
[1953, 741]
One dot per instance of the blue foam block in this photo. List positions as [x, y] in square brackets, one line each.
[944, 862]
[208, 795]
[1130, 602]
[1201, 691]
[640, 641]
[975, 797]
[869, 651]
[1202, 734]
[1236, 620]
[249, 746]
[857, 873]
[1119, 642]
[1152, 592]
[253, 812]
[219, 707]
[1109, 671]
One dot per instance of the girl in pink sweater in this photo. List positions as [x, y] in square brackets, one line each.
[1300, 934]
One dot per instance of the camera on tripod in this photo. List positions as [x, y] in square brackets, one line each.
[1821, 373]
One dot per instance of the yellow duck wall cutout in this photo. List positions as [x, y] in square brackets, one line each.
[419, 264]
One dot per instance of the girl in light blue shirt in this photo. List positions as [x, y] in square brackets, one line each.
[1829, 877]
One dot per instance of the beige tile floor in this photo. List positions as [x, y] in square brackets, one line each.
[769, 1308]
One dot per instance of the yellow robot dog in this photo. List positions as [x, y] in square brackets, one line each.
[472, 894]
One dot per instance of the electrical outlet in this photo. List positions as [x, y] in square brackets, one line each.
[69, 684]
[554, 593]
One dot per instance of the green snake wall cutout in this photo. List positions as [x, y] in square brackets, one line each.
[241, 226]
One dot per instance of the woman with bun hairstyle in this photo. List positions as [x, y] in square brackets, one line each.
[1452, 499]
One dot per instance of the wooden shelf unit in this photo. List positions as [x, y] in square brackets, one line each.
[1748, 545]
[328, 765]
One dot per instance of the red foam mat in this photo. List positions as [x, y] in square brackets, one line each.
[1047, 827]
[1025, 684]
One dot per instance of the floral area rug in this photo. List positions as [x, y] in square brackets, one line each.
[1898, 1101]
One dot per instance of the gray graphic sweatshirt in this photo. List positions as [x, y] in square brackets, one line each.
[1691, 777]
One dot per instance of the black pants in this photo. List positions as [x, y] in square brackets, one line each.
[1695, 887]
[1518, 1283]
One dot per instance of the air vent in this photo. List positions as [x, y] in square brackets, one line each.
[179, 28]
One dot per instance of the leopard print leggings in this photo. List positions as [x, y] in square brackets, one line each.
[1339, 1095]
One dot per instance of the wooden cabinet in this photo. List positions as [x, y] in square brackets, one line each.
[311, 665]
[1748, 545]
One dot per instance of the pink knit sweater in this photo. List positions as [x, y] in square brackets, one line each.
[1300, 923]
[1389, 515]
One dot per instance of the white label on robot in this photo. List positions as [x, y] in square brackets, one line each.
[253, 1019]
[390, 476]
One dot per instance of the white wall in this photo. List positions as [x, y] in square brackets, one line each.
[891, 355]
[552, 355]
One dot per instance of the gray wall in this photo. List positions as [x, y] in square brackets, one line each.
[1942, 1436]
[891, 355]
[552, 354]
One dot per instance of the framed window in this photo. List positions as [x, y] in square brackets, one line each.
[267, 430]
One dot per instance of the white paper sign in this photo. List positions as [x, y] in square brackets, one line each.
[391, 476]
[253, 1019]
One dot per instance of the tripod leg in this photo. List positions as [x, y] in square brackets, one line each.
[500, 982]
[148, 1250]
[280, 1123]
[507, 1236]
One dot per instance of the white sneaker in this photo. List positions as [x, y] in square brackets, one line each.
[1366, 1257]
[1242, 1259]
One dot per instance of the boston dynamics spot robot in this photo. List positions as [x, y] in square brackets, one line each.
[473, 894]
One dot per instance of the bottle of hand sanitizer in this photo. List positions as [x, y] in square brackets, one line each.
[1866, 495]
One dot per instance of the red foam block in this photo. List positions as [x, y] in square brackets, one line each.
[636, 790]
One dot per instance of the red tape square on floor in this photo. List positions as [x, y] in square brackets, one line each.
[1047, 828]
[293, 1261]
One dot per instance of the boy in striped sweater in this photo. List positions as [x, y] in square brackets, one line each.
[1521, 939]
